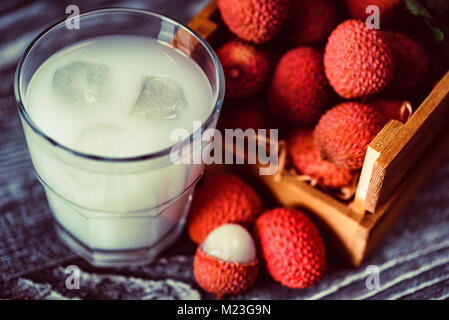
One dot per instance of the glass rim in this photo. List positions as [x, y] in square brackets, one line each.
[217, 98]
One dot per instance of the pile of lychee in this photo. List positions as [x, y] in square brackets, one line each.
[331, 82]
[236, 237]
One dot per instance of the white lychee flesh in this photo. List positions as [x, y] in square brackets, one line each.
[231, 243]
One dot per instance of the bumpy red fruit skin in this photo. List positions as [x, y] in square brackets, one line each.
[299, 91]
[221, 277]
[245, 67]
[310, 21]
[291, 247]
[411, 61]
[344, 132]
[223, 198]
[254, 20]
[387, 8]
[357, 60]
[306, 158]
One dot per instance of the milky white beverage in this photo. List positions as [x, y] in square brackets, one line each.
[116, 97]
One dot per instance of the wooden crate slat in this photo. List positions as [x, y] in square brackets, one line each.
[408, 145]
[202, 22]
[368, 174]
[380, 222]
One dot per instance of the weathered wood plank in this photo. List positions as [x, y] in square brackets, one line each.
[408, 145]
[375, 149]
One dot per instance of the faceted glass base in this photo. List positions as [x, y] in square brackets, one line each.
[119, 258]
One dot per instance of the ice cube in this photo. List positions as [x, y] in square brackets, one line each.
[108, 141]
[160, 98]
[81, 82]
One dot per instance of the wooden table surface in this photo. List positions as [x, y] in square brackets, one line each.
[413, 259]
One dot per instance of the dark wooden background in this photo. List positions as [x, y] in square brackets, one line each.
[413, 259]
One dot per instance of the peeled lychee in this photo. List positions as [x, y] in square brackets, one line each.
[387, 9]
[344, 132]
[245, 67]
[306, 159]
[291, 247]
[410, 61]
[254, 20]
[231, 243]
[299, 91]
[222, 198]
[357, 60]
[226, 262]
[309, 21]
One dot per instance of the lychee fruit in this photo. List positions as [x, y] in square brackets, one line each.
[344, 132]
[399, 110]
[299, 91]
[291, 247]
[310, 22]
[222, 198]
[245, 67]
[306, 159]
[410, 61]
[387, 9]
[246, 114]
[226, 262]
[357, 60]
[254, 20]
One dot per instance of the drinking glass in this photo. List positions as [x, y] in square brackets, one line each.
[117, 211]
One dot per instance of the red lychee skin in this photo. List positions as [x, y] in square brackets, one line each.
[306, 159]
[244, 115]
[344, 132]
[245, 67]
[222, 198]
[257, 21]
[291, 247]
[299, 91]
[357, 60]
[392, 109]
[310, 22]
[411, 61]
[221, 277]
[387, 9]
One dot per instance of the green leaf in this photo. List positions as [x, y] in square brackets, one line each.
[417, 9]
[438, 34]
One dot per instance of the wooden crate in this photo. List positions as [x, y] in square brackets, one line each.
[397, 163]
